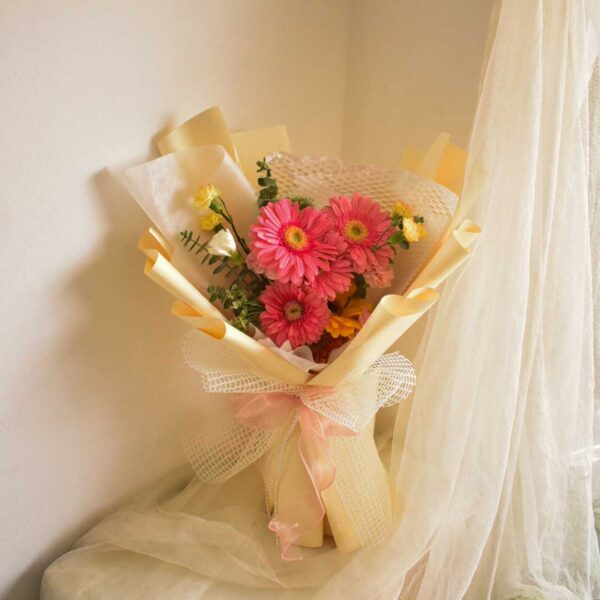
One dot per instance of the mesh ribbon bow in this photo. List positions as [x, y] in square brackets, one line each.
[265, 412]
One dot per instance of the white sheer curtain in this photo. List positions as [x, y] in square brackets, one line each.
[492, 463]
[492, 458]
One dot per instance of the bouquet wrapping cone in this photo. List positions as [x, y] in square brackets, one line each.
[358, 504]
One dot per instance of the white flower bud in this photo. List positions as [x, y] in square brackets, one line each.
[222, 244]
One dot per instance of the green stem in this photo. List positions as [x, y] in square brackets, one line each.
[376, 246]
[229, 219]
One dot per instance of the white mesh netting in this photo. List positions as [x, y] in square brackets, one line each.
[221, 449]
[320, 178]
[352, 403]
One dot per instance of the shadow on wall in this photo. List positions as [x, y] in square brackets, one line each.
[120, 380]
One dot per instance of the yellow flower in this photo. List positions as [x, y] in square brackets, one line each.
[413, 232]
[209, 220]
[205, 195]
[342, 326]
[402, 210]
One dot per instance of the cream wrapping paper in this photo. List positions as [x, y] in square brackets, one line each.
[171, 268]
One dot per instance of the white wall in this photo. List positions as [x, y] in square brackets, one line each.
[413, 71]
[93, 394]
[93, 391]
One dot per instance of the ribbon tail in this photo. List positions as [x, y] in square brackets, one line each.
[315, 449]
[308, 510]
[288, 536]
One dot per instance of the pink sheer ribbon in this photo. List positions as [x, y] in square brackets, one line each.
[273, 410]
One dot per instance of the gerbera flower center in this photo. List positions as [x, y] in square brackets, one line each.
[293, 310]
[356, 231]
[295, 238]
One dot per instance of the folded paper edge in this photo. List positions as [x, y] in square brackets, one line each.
[395, 314]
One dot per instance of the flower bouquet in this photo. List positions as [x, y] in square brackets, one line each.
[281, 278]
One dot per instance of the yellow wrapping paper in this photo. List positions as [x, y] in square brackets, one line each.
[205, 129]
[209, 128]
[393, 315]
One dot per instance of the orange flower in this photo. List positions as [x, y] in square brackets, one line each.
[357, 307]
[346, 324]
[342, 299]
[339, 326]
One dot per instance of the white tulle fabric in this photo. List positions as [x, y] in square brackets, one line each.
[492, 457]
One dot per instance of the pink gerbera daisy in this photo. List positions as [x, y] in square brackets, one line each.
[328, 284]
[365, 228]
[380, 278]
[293, 313]
[288, 243]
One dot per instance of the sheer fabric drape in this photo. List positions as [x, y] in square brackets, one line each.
[493, 457]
